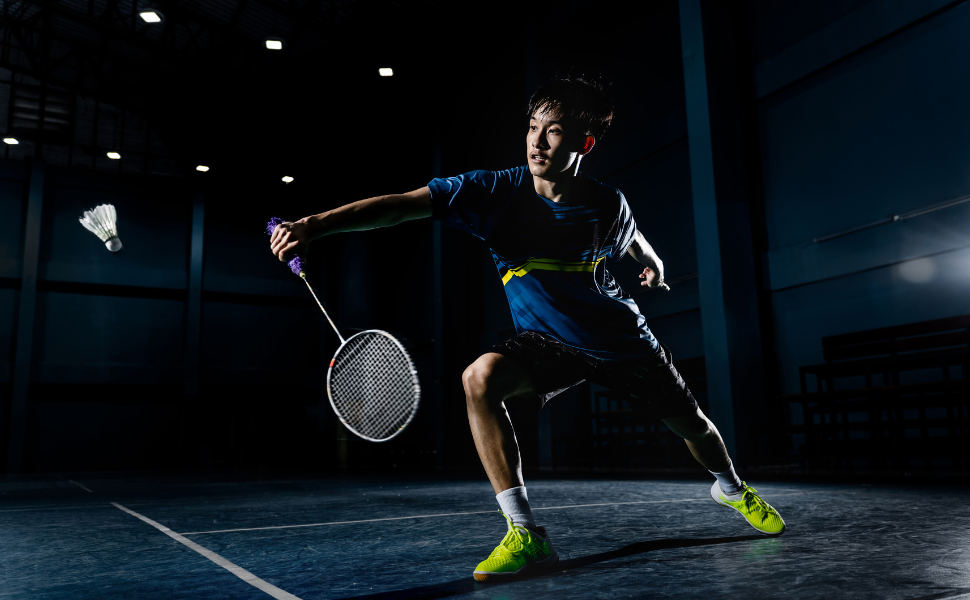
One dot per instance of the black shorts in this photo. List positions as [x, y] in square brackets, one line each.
[651, 384]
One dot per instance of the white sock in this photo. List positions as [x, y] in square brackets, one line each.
[515, 504]
[729, 481]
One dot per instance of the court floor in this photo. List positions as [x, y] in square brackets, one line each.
[259, 535]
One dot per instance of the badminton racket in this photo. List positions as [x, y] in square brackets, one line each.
[372, 383]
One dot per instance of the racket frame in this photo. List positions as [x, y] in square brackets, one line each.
[411, 367]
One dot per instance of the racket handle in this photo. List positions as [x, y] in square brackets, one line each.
[296, 263]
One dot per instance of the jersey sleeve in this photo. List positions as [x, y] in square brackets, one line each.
[471, 202]
[623, 230]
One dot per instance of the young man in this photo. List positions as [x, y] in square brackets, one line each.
[550, 230]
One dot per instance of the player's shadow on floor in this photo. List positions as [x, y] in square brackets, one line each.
[467, 584]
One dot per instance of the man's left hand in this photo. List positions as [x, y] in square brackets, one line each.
[651, 279]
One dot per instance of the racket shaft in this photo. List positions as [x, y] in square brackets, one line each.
[329, 320]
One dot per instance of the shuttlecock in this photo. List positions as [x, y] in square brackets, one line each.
[102, 222]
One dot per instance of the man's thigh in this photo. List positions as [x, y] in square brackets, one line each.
[551, 366]
[651, 384]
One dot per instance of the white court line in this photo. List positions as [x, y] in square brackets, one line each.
[479, 512]
[80, 486]
[58, 507]
[705, 498]
[239, 572]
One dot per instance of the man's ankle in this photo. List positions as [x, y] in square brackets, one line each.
[729, 481]
[514, 503]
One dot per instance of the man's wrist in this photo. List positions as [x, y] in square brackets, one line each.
[314, 225]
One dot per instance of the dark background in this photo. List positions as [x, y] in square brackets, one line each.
[833, 115]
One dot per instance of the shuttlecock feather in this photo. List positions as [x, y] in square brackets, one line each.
[102, 221]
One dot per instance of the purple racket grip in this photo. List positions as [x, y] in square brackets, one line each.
[271, 226]
[296, 263]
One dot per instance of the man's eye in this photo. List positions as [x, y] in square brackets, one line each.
[532, 128]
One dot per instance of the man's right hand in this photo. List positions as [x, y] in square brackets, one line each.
[289, 239]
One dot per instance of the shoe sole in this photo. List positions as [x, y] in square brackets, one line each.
[718, 500]
[544, 564]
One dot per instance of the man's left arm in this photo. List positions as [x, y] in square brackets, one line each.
[643, 253]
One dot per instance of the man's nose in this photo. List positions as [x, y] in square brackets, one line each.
[538, 140]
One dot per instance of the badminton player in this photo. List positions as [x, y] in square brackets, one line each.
[552, 231]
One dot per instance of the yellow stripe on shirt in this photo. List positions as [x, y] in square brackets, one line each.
[550, 264]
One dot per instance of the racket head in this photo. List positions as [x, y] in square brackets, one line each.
[373, 385]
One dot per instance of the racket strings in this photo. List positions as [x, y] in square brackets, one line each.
[374, 387]
[377, 401]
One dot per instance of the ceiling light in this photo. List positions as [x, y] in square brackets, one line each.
[386, 71]
[114, 155]
[151, 16]
[202, 168]
[287, 179]
[274, 44]
[10, 141]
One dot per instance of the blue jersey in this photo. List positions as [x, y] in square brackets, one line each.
[552, 256]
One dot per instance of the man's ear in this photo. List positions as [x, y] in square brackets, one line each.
[587, 145]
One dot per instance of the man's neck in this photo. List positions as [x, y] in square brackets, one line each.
[558, 189]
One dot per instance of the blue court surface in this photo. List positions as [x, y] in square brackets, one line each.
[246, 535]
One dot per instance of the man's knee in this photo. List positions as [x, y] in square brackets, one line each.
[694, 427]
[475, 379]
[492, 378]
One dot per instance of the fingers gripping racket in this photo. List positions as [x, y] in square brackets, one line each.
[371, 381]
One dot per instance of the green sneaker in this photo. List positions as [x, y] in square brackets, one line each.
[760, 515]
[521, 551]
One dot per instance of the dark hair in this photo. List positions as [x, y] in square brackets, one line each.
[576, 98]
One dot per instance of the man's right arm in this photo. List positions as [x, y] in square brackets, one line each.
[380, 211]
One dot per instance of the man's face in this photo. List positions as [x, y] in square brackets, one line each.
[551, 147]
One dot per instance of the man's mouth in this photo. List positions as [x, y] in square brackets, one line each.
[539, 158]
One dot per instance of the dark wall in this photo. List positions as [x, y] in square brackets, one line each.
[862, 117]
[880, 133]
[13, 176]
